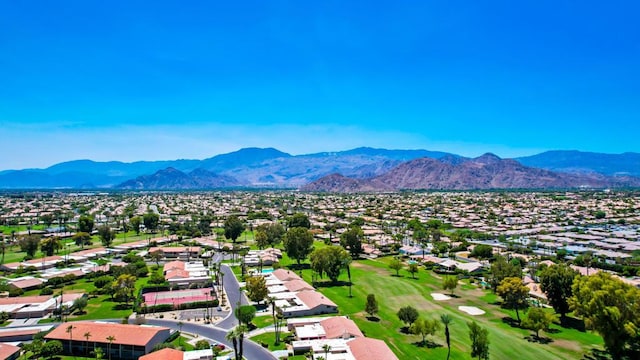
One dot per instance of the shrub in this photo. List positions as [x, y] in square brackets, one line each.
[14, 292]
[46, 291]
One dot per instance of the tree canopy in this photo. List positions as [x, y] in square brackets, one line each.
[352, 241]
[257, 288]
[556, 282]
[299, 220]
[514, 294]
[233, 228]
[330, 260]
[610, 307]
[298, 243]
[408, 314]
[500, 270]
[537, 319]
[479, 337]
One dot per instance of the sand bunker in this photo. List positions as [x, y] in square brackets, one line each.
[471, 310]
[440, 297]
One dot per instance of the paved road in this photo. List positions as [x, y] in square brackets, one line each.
[234, 297]
[252, 351]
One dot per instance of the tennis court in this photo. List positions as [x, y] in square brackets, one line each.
[177, 297]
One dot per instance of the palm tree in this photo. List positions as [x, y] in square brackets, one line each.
[231, 336]
[70, 332]
[446, 320]
[87, 335]
[326, 348]
[110, 339]
[242, 329]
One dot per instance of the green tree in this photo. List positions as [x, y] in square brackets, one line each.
[556, 282]
[257, 288]
[299, 220]
[151, 220]
[610, 307]
[51, 348]
[500, 270]
[413, 269]
[537, 319]
[236, 336]
[85, 224]
[245, 314]
[81, 239]
[49, 245]
[262, 241]
[29, 244]
[446, 321]
[298, 243]
[408, 315]
[330, 260]
[450, 283]
[514, 294]
[273, 233]
[424, 328]
[80, 304]
[396, 265]
[479, 337]
[482, 251]
[125, 286]
[233, 228]
[352, 241]
[202, 345]
[135, 223]
[106, 235]
[371, 307]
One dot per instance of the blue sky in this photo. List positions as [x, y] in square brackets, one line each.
[164, 80]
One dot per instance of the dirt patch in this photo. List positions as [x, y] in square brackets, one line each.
[417, 301]
[566, 344]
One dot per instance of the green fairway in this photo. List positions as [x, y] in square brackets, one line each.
[506, 342]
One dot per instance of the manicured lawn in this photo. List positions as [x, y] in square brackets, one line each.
[392, 292]
[269, 339]
[263, 321]
[181, 342]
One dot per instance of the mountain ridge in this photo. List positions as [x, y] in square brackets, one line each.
[271, 167]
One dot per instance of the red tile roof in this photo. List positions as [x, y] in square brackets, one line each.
[285, 275]
[370, 349]
[25, 300]
[164, 354]
[314, 299]
[336, 326]
[297, 285]
[6, 350]
[173, 265]
[124, 334]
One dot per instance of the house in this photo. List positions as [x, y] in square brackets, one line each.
[182, 274]
[309, 303]
[9, 352]
[334, 327]
[370, 349]
[22, 333]
[172, 354]
[180, 252]
[118, 341]
[26, 283]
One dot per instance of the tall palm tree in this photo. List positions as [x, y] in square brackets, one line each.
[446, 320]
[70, 332]
[231, 336]
[242, 329]
[110, 339]
[87, 335]
[326, 348]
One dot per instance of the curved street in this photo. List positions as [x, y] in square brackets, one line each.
[252, 351]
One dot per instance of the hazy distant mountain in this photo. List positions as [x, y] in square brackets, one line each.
[173, 179]
[485, 172]
[578, 161]
[270, 167]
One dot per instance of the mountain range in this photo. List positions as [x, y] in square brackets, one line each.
[360, 169]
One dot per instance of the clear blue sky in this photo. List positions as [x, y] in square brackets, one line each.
[111, 80]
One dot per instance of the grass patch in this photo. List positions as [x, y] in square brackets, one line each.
[181, 343]
[375, 277]
[269, 339]
[262, 321]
